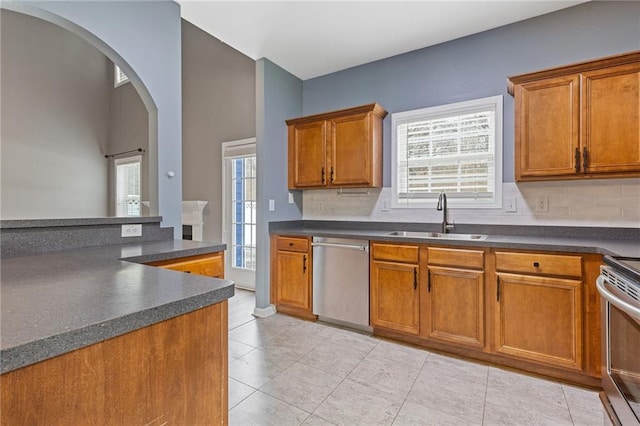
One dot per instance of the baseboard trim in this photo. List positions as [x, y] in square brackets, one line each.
[264, 312]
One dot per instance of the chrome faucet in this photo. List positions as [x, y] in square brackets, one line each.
[442, 206]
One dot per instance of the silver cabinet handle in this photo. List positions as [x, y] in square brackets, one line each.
[616, 301]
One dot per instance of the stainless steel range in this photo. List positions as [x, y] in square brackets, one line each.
[619, 286]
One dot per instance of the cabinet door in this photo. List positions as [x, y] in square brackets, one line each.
[611, 119]
[350, 150]
[293, 283]
[456, 306]
[547, 127]
[308, 155]
[539, 319]
[394, 296]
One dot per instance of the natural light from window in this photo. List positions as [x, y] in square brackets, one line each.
[454, 148]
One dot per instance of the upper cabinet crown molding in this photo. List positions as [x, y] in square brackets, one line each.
[579, 121]
[337, 149]
[609, 61]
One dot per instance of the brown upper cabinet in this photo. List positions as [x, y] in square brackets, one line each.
[337, 149]
[578, 121]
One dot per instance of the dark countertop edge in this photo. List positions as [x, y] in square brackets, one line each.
[167, 255]
[49, 223]
[494, 241]
[40, 350]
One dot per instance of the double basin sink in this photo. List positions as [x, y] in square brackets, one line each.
[437, 235]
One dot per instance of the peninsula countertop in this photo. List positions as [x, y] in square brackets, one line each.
[59, 301]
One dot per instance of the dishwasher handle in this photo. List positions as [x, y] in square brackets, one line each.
[346, 246]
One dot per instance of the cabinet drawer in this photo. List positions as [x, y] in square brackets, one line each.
[210, 265]
[473, 259]
[293, 244]
[396, 252]
[537, 263]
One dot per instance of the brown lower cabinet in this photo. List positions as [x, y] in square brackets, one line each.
[291, 272]
[455, 297]
[172, 372]
[535, 311]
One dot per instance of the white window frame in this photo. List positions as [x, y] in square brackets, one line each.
[493, 102]
[117, 79]
[120, 161]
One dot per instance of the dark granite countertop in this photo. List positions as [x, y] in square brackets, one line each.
[615, 242]
[56, 302]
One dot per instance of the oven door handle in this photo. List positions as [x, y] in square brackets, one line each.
[616, 301]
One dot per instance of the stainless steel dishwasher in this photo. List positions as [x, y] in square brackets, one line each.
[341, 281]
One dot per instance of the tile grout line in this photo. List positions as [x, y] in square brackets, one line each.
[486, 391]
[342, 381]
[412, 386]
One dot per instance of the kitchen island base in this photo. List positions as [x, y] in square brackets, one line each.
[171, 372]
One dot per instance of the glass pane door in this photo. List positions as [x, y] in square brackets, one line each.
[243, 215]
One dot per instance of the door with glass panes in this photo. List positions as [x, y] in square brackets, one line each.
[239, 229]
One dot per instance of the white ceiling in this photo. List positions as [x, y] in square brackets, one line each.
[313, 38]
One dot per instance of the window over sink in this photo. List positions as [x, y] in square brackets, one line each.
[454, 148]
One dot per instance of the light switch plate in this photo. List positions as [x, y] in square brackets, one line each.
[132, 230]
[272, 205]
[291, 198]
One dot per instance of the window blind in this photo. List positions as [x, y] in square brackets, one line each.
[119, 76]
[448, 149]
[128, 187]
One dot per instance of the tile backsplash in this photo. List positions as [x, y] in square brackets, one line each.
[601, 203]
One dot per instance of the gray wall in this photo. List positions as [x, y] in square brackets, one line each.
[218, 105]
[278, 97]
[477, 66]
[55, 121]
[144, 37]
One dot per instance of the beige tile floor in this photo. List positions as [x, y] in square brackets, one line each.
[285, 371]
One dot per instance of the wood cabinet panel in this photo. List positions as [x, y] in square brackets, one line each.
[539, 263]
[336, 149]
[293, 287]
[307, 155]
[351, 148]
[611, 119]
[461, 258]
[172, 372]
[394, 298]
[291, 272]
[293, 244]
[456, 306]
[579, 121]
[210, 265]
[539, 319]
[547, 127]
[395, 252]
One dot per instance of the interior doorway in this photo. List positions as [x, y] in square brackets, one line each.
[239, 217]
